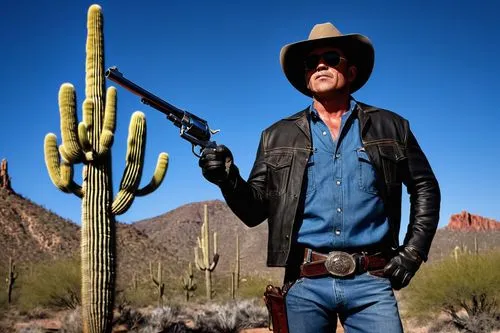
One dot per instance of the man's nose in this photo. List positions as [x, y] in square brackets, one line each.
[321, 65]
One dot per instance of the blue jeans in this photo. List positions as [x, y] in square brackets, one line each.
[364, 304]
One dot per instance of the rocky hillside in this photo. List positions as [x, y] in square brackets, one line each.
[179, 228]
[31, 233]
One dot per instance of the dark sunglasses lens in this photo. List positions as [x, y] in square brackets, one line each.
[312, 61]
[331, 58]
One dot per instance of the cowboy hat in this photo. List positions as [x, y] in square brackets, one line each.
[357, 48]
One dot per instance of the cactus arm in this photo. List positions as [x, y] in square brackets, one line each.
[151, 275]
[214, 262]
[84, 129]
[158, 176]
[107, 134]
[133, 169]
[188, 283]
[67, 176]
[215, 242]
[70, 149]
[215, 259]
[199, 263]
[61, 173]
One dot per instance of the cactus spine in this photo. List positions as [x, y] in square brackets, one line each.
[11, 278]
[204, 263]
[89, 143]
[188, 282]
[158, 282]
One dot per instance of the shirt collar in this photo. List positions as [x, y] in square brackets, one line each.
[314, 115]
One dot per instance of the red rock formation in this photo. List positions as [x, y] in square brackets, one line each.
[4, 176]
[466, 221]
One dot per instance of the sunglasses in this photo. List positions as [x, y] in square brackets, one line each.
[331, 58]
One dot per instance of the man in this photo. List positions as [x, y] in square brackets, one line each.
[329, 180]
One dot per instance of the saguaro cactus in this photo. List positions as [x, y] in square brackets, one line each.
[188, 282]
[158, 282]
[204, 263]
[89, 143]
[11, 278]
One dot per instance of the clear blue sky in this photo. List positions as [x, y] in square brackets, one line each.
[436, 64]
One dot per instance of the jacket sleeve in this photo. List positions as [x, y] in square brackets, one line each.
[425, 198]
[247, 199]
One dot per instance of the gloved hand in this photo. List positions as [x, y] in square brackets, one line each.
[216, 164]
[402, 267]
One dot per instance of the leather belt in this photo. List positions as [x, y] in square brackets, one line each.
[340, 264]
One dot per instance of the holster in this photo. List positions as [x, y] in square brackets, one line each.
[274, 297]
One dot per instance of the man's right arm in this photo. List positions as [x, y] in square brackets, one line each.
[247, 199]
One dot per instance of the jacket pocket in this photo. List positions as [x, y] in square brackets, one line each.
[278, 172]
[392, 155]
[366, 172]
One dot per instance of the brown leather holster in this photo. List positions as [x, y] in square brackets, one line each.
[274, 297]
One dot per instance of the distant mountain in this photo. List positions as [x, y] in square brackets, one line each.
[466, 221]
[31, 233]
[465, 230]
[179, 228]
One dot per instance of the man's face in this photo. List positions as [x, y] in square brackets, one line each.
[324, 77]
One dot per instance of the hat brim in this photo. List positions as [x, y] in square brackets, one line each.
[358, 49]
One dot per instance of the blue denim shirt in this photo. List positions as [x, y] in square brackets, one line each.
[342, 206]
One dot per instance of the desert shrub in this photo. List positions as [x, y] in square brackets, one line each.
[129, 317]
[142, 296]
[54, 285]
[254, 286]
[465, 287]
[166, 319]
[230, 317]
[71, 321]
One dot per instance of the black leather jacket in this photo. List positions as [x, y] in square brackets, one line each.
[274, 190]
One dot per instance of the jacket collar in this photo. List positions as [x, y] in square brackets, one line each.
[364, 111]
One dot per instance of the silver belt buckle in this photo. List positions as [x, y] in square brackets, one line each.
[340, 264]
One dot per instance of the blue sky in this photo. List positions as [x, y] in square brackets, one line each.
[436, 64]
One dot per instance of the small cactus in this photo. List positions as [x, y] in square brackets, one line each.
[204, 263]
[11, 278]
[158, 282]
[237, 264]
[188, 283]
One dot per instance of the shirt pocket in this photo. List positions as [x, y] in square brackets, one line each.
[278, 172]
[392, 156]
[366, 172]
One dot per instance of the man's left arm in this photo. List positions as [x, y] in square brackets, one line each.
[425, 199]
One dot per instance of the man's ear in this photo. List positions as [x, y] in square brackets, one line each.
[352, 72]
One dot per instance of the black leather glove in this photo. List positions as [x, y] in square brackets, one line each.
[216, 165]
[402, 267]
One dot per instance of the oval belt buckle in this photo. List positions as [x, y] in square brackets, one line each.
[340, 264]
